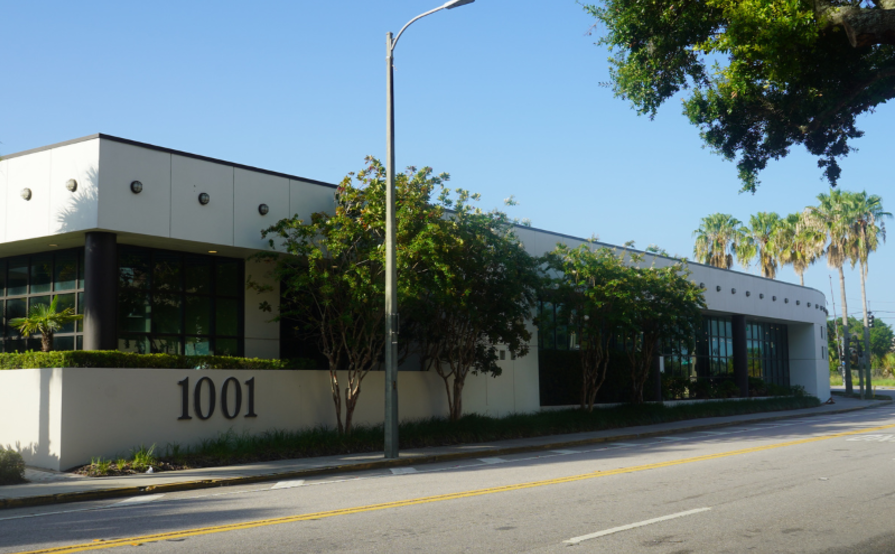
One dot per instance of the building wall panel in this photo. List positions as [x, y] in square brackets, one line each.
[190, 220]
[146, 213]
[253, 189]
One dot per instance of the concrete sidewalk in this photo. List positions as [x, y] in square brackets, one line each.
[50, 487]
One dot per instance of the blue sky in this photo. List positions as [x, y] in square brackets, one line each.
[506, 97]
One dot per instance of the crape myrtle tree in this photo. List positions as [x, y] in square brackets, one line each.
[667, 307]
[592, 286]
[756, 77]
[471, 290]
[332, 272]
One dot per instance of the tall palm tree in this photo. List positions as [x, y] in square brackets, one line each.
[867, 231]
[759, 242]
[834, 217]
[798, 244]
[46, 320]
[717, 240]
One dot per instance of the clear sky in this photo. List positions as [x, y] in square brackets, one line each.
[505, 96]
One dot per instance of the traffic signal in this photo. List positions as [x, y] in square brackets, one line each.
[870, 320]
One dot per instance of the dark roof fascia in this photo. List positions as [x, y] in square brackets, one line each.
[169, 151]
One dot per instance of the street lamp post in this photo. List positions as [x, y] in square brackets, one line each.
[391, 273]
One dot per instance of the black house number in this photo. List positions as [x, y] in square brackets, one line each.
[205, 395]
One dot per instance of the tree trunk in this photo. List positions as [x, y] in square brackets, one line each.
[46, 342]
[337, 398]
[868, 365]
[846, 357]
[864, 26]
[457, 401]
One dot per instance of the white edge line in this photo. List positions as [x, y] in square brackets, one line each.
[141, 499]
[598, 534]
[291, 484]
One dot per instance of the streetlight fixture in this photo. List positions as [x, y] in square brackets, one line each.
[391, 273]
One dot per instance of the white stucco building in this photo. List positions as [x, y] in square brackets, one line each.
[151, 245]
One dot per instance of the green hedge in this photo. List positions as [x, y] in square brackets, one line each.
[12, 468]
[113, 358]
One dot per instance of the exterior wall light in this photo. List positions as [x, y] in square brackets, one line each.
[733, 291]
[204, 198]
[718, 288]
[773, 298]
[136, 187]
[71, 185]
[798, 302]
[702, 285]
[786, 300]
[809, 304]
[748, 293]
[761, 296]
[263, 209]
[26, 194]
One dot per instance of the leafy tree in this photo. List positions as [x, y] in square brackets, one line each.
[667, 307]
[332, 272]
[474, 289]
[782, 72]
[45, 319]
[881, 335]
[835, 218]
[759, 242]
[592, 287]
[798, 244]
[717, 240]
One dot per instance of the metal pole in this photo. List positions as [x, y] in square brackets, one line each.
[391, 273]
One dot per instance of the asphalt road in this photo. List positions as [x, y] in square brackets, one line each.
[821, 484]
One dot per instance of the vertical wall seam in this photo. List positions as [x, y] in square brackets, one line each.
[170, 195]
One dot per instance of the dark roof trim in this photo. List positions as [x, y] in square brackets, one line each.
[169, 151]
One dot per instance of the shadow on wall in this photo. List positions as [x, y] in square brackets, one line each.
[80, 212]
[37, 453]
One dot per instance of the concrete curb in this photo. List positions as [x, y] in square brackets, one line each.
[381, 464]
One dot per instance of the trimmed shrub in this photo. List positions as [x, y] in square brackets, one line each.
[12, 467]
[113, 358]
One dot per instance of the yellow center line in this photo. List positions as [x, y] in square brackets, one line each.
[97, 545]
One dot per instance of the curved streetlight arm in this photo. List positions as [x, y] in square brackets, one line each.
[447, 5]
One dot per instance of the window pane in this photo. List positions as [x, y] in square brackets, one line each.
[16, 307]
[198, 315]
[18, 277]
[166, 345]
[226, 347]
[167, 310]
[64, 343]
[41, 273]
[198, 274]
[134, 311]
[15, 345]
[2, 277]
[81, 268]
[137, 344]
[133, 269]
[66, 301]
[198, 346]
[227, 317]
[66, 271]
[228, 278]
[167, 271]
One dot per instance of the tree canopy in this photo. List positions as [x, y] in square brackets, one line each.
[760, 75]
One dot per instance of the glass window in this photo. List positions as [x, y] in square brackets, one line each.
[64, 302]
[64, 343]
[198, 346]
[228, 278]
[41, 273]
[167, 313]
[198, 275]
[2, 277]
[66, 271]
[17, 282]
[167, 271]
[198, 315]
[134, 311]
[227, 317]
[133, 269]
[136, 344]
[15, 307]
[226, 347]
[166, 345]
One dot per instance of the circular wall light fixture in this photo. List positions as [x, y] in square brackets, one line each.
[809, 304]
[212, 251]
[733, 291]
[773, 299]
[136, 187]
[748, 293]
[718, 288]
[71, 185]
[761, 296]
[702, 285]
[798, 302]
[786, 300]
[204, 198]
[263, 209]
[26, 194]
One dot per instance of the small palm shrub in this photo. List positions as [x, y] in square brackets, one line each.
[12, 467]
